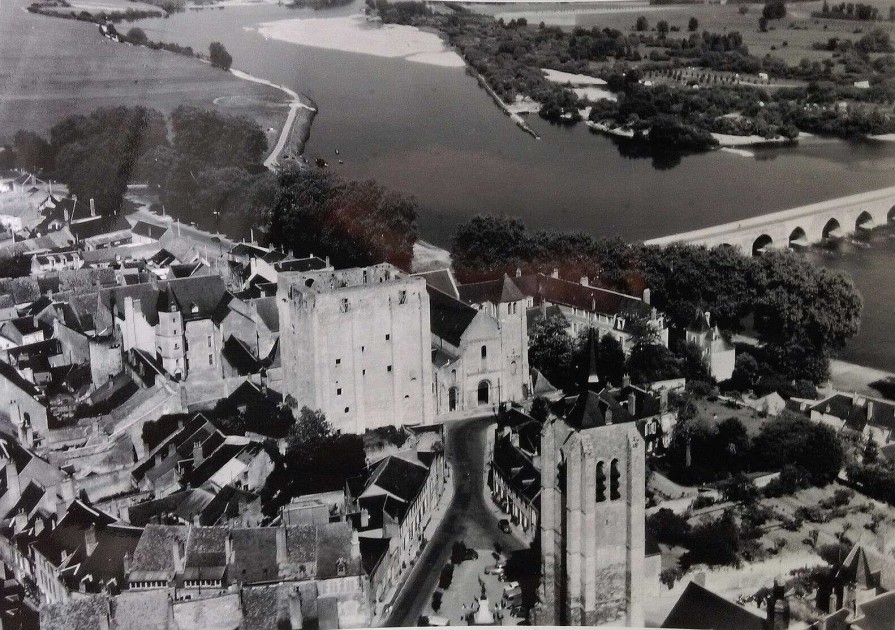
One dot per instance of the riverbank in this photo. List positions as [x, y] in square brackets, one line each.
[361, 35]
[296, 129]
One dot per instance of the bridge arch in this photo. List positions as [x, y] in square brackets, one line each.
[864, 221]
[832, 229]
[761, 244]
[798, 238]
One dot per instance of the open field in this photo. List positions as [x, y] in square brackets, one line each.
[51, 68]
[790, 38]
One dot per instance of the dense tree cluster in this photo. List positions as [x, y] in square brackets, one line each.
[718, 541]
[801, 312]
[806, 453]
[318, 459]
[356, 223]
[97, 154]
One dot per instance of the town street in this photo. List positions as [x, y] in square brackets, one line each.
[468, 518]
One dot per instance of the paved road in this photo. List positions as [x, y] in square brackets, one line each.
[468, 519]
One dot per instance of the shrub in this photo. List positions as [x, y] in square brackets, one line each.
[668, 527]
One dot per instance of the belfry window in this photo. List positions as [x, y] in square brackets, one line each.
[601, 483]
[614, 481]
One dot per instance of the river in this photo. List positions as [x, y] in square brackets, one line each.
[432, 132]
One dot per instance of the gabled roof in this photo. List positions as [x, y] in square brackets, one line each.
[876, 613]
[449, 318]
[149, 230]
[493, 291]
[12, 376]
[594, 409]
[99, 227]
[399, 477]
[443, 280]
[700, 324]
[592, 299]
[700, 609]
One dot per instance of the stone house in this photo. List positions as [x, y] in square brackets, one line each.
[23, 412]
[718, 353]
[393, 505]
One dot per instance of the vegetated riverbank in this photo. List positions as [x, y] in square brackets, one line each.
[679, 112]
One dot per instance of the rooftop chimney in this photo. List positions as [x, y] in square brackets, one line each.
[90, 542]
[646, 296]
[584, 281]
[197, 454]
[176, 551]
[555, 273]
[282, 556]
[632, 404]
[92, 207]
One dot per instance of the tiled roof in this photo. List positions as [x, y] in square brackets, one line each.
[399, 478]
[99, 226]
[443, 280]
[11, 374]
[493, 291]
[592, 299]
[449, 318]
[80, 613]
[517, 469]
[301, 264]
[700, 609]
[154, 553]
[838, 405]
[594, 409]
[149, 230]
[267, 606]
[255, 554]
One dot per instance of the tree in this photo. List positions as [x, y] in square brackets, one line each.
[871, 451]
[693, 25]
[219, 56]
[791, 439]
[649, 363]
[551, 350]
[662, 28]
[355, 223]
[32, 152]
[137, 35]
[774, 10]
[642, 24]
[216, 139]
[309, 434]
[763, 24]
[487, 243]
[97, 155]
[825, 9]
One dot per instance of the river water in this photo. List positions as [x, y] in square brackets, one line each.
[432, 132]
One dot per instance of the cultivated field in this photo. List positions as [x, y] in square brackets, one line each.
[790, 38]
[51, 68]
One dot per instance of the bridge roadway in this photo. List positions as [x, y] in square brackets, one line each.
[796, 227]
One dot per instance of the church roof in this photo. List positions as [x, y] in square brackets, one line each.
[493, 291]
[591, 409]
[449, 318]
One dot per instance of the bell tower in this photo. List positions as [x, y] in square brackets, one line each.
[170, 339]
[592, 511]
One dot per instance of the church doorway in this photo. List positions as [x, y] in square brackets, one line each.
[452, 399]
[484, 392]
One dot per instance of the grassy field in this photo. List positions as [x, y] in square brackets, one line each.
[790, 38]
[51, 68]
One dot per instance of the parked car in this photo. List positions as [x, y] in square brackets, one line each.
[494, 569]
[504, 526]
[435, 620]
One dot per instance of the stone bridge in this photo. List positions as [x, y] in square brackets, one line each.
[797, 227]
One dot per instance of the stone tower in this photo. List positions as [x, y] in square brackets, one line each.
[592, 511]
[170, 341]
[356, 344]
